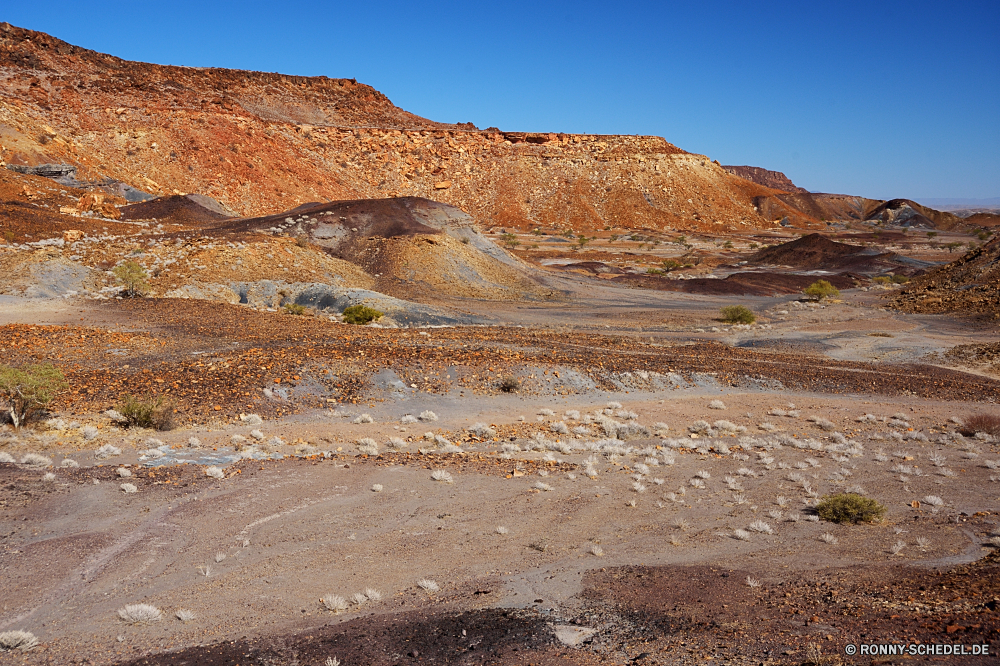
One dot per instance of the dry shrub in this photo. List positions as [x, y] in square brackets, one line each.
[147, 412]
[985, 423]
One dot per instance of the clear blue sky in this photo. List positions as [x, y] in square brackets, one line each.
[882, 99]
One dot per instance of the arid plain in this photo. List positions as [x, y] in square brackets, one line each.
[552, 446]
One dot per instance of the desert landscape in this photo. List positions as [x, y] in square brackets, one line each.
[324, 382]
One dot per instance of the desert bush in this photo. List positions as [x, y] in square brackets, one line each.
[361, 315]
[509, 384]
[985, 423]
[737, 314]
[29, 389]
[850, 508]
[215, 472]
[294, 309]
[132, 276]
[821, 289]
[149, 411]
[881, 279]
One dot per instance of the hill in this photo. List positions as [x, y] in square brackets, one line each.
[772, 179]
[260, 142]
[970, 284]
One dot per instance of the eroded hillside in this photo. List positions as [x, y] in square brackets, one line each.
[261, 143]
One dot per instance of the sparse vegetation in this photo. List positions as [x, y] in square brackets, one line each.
[29, 390]
[140, 614]
[132, 276]
[359, 315]
[988, 424]
[149, 411]
[850, 508]
[428, 585]
[737, 314]
[17, 640]
[821, 289]
[509, 384]
[294, 309]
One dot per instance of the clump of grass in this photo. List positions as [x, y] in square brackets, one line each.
[360, 315]
[427, 416]
[215, 472]
[184, 615]
[442, 475]
[596, 550]
[368, 446]
[752, 582]
[738, 314]
[376, 487]
[826, 537]
[294, 309]
[760, 526]
[716, 404]
[428, 585]
[850, 508]
[154, 412]
[17, 640]
[363, 418]
[140, 614]
[334, 602]
[742, 535]
[482, 431]
[501, 530]
[35, 461]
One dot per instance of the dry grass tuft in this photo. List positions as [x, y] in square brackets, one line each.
[140, 614]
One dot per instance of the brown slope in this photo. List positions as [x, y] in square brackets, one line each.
[817, 252]
[192, 209]
[260, 143]
[969, 285]
[415, 248]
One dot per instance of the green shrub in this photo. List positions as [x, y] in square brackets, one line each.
[361, 314]
[850, 508]
[738, 314]
[29, 389]
[671, 265]
[821, 289]
[900, 279]
[294, 309]
[881, 279]
[510, 240]
[131, 275]
[154, 412]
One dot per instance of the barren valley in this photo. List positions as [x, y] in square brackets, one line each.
[592, 416]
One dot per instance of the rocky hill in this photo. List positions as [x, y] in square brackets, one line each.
[970, 284]
[260, 143]
[772, 179]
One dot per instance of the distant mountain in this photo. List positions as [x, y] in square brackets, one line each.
[962, 204]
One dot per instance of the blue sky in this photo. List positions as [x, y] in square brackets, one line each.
[881, 99]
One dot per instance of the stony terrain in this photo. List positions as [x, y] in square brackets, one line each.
[549, 449]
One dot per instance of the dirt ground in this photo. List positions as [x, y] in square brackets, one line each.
[612, 551]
